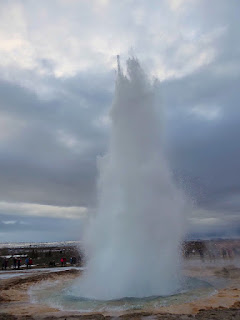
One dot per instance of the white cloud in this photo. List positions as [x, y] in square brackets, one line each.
[208, 113]
[77, 36]
[71, 142]
[40, 210]
[205, 221]
[103, 121]
[15, 48]
[177, 5]
[9, 221]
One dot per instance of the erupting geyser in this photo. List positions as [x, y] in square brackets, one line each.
[132, 244]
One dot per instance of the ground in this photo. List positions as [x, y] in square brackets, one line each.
[224, 304]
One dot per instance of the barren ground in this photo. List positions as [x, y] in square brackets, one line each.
[225, 304]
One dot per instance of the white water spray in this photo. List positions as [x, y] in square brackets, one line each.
[133, 243]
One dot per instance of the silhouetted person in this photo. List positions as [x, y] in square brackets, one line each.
[230, 253]
[200, 250]
[19, 263]
[14, 263]
[224, 253]
[5, 263]
[52, 263]
[73, 260]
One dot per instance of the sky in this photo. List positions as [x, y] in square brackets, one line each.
[57, 73]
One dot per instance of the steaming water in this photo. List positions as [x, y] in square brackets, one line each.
[59, 296]
[133, 242]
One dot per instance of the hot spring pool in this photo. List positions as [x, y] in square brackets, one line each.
[59, 295]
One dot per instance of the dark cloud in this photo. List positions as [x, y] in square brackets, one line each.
[56, 89]
[27, 229]
[38, 163]
[204, 151]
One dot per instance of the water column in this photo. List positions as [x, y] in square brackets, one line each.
[132, 245]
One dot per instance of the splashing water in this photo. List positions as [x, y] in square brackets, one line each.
[133, 242]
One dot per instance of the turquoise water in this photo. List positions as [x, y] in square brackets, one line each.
[60, 296]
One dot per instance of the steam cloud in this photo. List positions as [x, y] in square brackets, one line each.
[133, 243]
